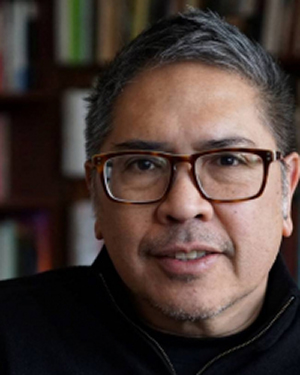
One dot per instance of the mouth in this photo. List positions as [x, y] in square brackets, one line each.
[192, 255]
[187, 261]
[185, 253]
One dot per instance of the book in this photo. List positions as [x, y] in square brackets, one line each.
[42, 237]
[74, 110]
[74, 31]
[83, 245]
[19, 63]
[109, 29]
[1, 47]
[75, 26]
[4, 156]
[32, 43]
[87, 33]
[272, 26]
[8, 249]
[62, 31]
[25, 244]
[26, 259]
[193, 3]
[295, 49]
[18, 20]
[7, 45]
[141, 17]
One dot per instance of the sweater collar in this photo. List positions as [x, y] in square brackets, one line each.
[280, 305]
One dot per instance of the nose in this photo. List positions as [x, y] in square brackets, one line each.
[184, 200]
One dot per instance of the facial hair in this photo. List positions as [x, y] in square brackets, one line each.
[179, 234]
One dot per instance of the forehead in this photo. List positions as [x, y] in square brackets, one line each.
[186, 104]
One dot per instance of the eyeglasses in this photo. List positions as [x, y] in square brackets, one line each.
[221, 175]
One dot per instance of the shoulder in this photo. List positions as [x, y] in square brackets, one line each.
[54, 285]
[42, 279]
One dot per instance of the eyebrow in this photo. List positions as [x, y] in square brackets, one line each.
[139, 144]
[225, 142]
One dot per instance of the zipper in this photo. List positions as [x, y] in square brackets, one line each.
[215, 359]
[249, 342]
[154, 343]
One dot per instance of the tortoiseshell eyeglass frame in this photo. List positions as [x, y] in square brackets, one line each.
[268, 156]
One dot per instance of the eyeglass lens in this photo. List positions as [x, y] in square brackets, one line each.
[221, 176]
[137, 178]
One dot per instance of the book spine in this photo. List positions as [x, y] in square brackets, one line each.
[26, 261]
[32, 44]
[25, 245]
[192, 3]
[43, 241]
[104, 38]
[74, 111]
[62, 31]
[8, 249]
[108, 28]
[272, 26]
[86, 36]
[295, 49]
[1, 47]
[75, 27]
[20, 63]
[4, 157]
[141, 16]
[8, 77]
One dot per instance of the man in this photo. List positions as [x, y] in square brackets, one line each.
[192, 169]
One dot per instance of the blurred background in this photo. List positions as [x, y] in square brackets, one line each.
[50, 52]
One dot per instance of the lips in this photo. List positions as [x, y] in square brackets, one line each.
[192, 255]
[182, 252]
[192, 260]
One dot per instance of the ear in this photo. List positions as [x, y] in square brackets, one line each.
[292, 162]
[97, 230]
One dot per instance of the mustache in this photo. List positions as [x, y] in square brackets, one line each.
[185, 236]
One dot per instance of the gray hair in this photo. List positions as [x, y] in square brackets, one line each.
[194, 36]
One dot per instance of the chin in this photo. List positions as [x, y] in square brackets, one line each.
[187, 310]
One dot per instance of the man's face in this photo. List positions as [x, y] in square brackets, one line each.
[182, 109]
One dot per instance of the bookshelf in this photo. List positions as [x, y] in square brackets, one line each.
[36, 182]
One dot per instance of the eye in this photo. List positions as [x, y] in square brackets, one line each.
[230, 160]
[236, 159]
[140, 164]
[144, 164]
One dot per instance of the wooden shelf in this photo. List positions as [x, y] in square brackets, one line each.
[291, 65]
[28, 97]
[27, 204]
[79, 76]
[75, 189]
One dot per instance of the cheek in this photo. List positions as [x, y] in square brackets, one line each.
[123, 226]
[261, 220]
[255, 228]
